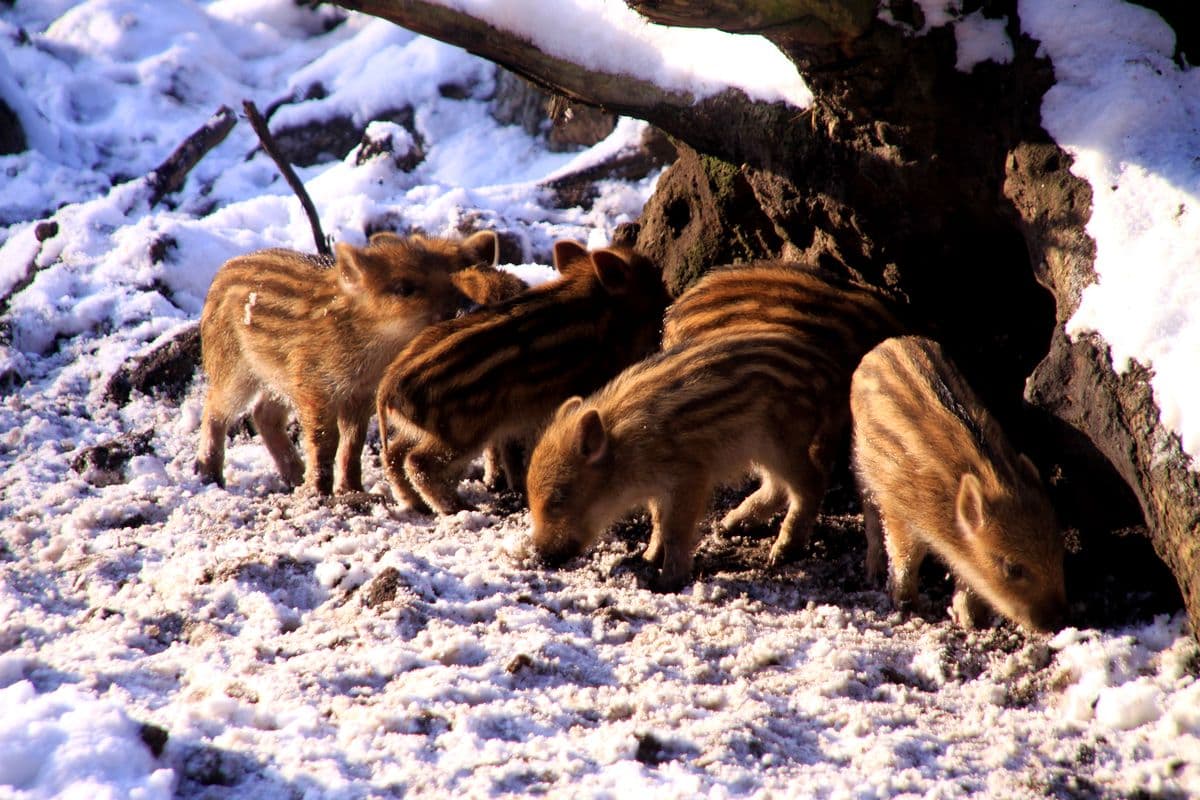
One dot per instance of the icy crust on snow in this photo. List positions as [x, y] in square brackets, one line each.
[607, 36]
[1130, 118]
[980, 39]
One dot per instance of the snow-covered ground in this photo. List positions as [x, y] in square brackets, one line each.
[159, 636]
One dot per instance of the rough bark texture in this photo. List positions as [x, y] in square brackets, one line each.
[565, 125]
[1076, 381]
[939, 185]
[170, 175]
[808, 21]
[166, 369]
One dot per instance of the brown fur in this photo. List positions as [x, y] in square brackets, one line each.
[844, 318]
[485, 285]
[837, 321]
[283, 330]
[667, 431]
[937, 473]
[499, 373]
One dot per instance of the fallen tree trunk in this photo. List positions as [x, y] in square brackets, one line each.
[677, 113]
[940, 185]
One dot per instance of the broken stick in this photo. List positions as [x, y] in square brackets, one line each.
[170, 175]
[272, 149]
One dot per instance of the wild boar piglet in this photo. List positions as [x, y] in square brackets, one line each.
[664, 433]
[837, 320]
[282, 330]
[497, 374]
[937, 473]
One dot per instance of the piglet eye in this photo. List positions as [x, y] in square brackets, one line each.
[557, 499]
[1014, 571]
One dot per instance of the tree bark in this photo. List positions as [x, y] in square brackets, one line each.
[169, 176]
[677, 113]
[1076, 381]
[908, 174]
[800, 21]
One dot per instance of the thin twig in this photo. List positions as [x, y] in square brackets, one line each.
[268, 144]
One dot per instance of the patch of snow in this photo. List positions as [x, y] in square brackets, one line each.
[935, 14]
[1129, 705]
[1130, 118]
[939, 12]
[607, 36]
[69, 744]
[981, 39]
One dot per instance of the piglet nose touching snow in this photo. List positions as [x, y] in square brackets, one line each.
[665, 433]
[281, 330]
[937, 474]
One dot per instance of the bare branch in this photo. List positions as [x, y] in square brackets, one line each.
[170, 175]
[272, 149]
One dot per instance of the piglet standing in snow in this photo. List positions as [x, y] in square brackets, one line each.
[936, 473]
[281, 329]
[498, 374]
[666, 432]
[831, 319]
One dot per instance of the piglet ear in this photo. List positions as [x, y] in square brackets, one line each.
[385, 237]
[593, 440]
[613, 269]
[482, 248]
[969, 506]
[349, 267]
[567, 251]
[569, 405]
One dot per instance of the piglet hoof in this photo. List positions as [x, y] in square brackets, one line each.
[662, 583]
[495, 482]
[451, 508]
[728, 526]
[784, 553]
[653, 558]
[419, 507]
[968, 613]
[207, 475]
[904, 605]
